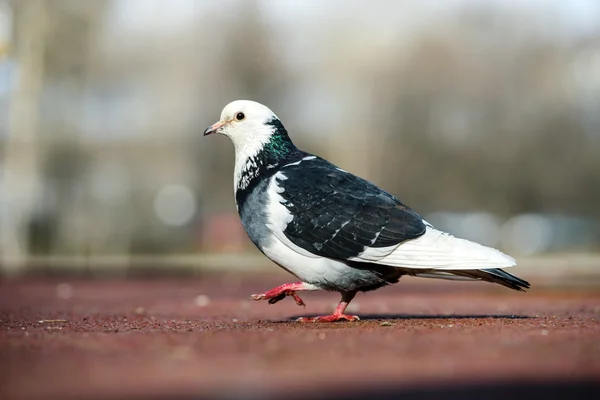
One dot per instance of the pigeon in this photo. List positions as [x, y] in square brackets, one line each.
[334, 230]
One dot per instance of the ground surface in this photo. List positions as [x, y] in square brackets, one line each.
[202, 336]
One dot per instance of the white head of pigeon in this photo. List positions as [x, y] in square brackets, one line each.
[245, 122]
[257, 135]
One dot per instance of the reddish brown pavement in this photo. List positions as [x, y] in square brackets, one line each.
[203, 337]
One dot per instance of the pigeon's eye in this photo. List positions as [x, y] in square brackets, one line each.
[240, 116]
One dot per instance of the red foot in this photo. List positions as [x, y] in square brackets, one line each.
[329, 318]
[281, 292]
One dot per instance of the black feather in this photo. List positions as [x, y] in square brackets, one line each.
[495, 275]
[337, 214]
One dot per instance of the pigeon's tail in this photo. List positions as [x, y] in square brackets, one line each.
[494, 275]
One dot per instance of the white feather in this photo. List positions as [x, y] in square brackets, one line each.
[437, 250]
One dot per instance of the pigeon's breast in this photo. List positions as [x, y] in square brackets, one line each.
[254, 214]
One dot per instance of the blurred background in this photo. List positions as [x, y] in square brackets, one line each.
[484, 116]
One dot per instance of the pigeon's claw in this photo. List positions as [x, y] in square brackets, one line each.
[281, 296]
[329, 318]
[275, 299]
[298, 300]
[281, 292]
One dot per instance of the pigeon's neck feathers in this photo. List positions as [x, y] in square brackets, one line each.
[260, 157]
[279, 146]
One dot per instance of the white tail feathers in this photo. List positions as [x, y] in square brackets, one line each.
[438, 250]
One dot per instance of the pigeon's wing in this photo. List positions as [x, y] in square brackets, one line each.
[339, 215]
[335, 214]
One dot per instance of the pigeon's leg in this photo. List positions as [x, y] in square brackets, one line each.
[338, 314]
[287, 289]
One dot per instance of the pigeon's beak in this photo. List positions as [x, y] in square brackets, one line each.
[214, 128]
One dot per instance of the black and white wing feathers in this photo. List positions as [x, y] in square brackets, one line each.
[339, 215]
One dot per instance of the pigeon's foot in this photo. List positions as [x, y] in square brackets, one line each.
[281, 292]
[338, 314]
[281, 296]
[329, 318]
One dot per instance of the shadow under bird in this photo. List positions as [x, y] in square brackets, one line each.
[330, 228]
